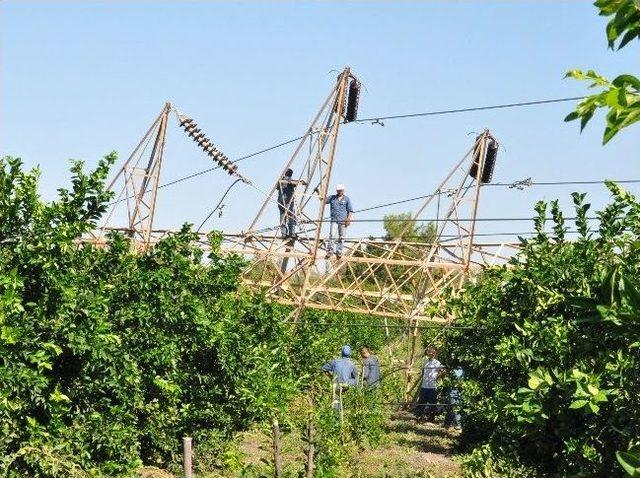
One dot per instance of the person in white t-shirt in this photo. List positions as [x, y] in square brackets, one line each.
[428, 397]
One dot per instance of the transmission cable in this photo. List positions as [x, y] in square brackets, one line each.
[363, 120]
[219, 203]
[378, 119]
[513, 185]
[242, 158]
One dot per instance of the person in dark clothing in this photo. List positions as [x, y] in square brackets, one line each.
[428, 398]
[286, 203]
[454, 396]
[370, 368]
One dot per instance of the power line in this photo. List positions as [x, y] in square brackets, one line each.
[390, 326]
[478, 219]
[561, 183]
[429, 113]
[463, 236]
[242, 158]
[467, 110]
[208, 170]
[514, 185]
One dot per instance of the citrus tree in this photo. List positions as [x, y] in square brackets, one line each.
[552, 353]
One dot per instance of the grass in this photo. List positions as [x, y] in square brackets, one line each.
[410, 450]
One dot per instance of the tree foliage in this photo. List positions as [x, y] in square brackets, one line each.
[552, 354]
[402, 226]
[621, 96]
[108, 356]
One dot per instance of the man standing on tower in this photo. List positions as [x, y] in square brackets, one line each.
[341, 216]
[286, 204]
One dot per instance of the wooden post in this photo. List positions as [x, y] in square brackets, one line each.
[186, 457]
[277, 459]
[310, 433]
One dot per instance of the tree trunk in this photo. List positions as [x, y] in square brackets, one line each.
[310, 447]
[410, 362]
[277, 459]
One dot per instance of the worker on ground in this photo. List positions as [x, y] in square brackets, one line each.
[428, 398]
[342, 370]
[343, 373]
[341, 217]
[370, 368]
[286, 204]
[453, 394]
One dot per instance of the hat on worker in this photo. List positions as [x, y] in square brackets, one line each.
[346, 351]
[340, 187]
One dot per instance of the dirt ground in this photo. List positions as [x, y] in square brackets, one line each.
[411, 449]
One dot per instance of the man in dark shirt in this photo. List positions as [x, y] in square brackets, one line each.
[370, 368]
[286, 203]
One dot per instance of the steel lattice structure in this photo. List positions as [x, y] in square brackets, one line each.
[388, 278]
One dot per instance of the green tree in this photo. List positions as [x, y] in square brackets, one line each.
[107, 356]
[403, 226]
[620, 96]
[551, 350]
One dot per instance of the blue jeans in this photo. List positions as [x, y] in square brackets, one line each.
[335, 247]
[427, 401]
[453, 413]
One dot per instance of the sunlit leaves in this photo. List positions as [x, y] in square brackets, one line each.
[625, 24]
[551, 350]
[621, 97]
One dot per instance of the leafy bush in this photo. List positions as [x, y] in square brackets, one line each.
[552, 357]
[110, 356]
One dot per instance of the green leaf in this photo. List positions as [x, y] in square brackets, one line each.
[627, 37]
[572, 116]
[609, 133]
[534, 382]
[578, 404]
[621, 81]
[57, 396]
[630, 462]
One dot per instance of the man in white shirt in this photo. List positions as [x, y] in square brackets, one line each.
[428, 397]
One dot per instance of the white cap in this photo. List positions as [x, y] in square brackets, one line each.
[340, 187]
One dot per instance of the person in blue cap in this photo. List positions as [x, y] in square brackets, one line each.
[343, 370]
[344, 374]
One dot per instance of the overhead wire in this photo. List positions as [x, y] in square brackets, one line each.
[513, 185]
[390, 326]
[390, 117]
[208, 170]
[242, 158]
[421, 239]
[219, 203]
[411, 115]
[478, 219]
[377, 119]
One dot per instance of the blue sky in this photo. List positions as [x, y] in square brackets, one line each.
[80, 79]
